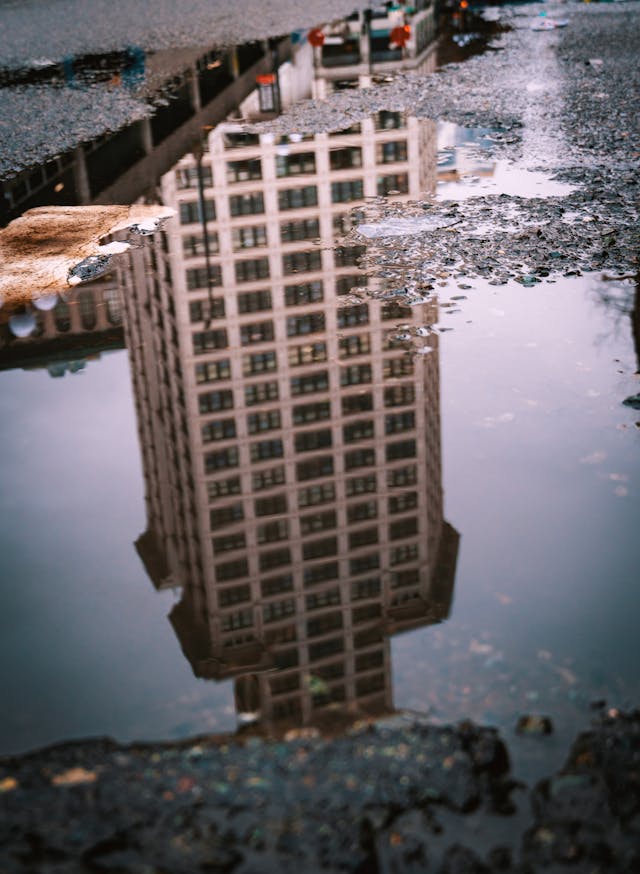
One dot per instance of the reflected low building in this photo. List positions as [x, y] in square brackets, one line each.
[80, 327]
[291, 445]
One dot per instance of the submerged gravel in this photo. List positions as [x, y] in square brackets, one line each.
[565, 103]
[393, 797]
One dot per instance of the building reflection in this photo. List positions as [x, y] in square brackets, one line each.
[291, 445]
[290, 442]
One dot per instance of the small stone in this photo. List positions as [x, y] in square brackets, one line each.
[533, 724]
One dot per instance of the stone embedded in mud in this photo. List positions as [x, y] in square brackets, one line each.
[533, 724]
[633, 401]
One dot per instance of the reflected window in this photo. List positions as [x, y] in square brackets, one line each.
[88, 316]
[260, 392]
[355, 344]
[403, 554]
[307, 292]
[344, 284]
[397, 422]
[276, 585]
[212, 401]
[309, 383]
[221, 488]
[365, 537]
[368, 637]
[394, 310]
[222, 429]
[295, 164]
[275, 610]
[212, 371]
[265, 479]
[239, 139]
[314, 468]
[353, 315]
[221, 516]
[303, 413]
[266, 449]
[361, 485]
[272, 505]
[256, 332]
[399, 395]
[249, 238]
[348, 256]
[229, 543]
[274, 558]
[344, 192]
[320, 548]
[366, 613]
[190, 212]
[403, 528]
[367, 588]
[318, 522]
[395, 183]
[252, 270]
[344, 159]
[364, 563]
[221, 459]
[62, 316]
[303, 229]
[197, 277]
[370, 684]
[321, 573]
[271, 532]
[395, 367]
[403, 502]
[188, 177]
[308, 323]
[203, 310]
[386, 120]
[308, 353]
[232, 570]
[364, 510]
[263, 421]
[402, 449]
[360, 430]
[367, 660]
[409, 577]
[325, 648]
[359, 458]
[193, 245]
[297, 198]
[388, 153]
[301, 262]
[402, 476]
[324, 624]
[242, 171]
[233, 595]
[355, 374]
[310, 441]
[360, 403]
[258, 362]
[246, 204]
[234, 621]
[254, 301]
[313, 495]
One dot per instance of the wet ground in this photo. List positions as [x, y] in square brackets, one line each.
[472, 273]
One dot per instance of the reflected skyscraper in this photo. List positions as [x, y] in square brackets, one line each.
[291, 446]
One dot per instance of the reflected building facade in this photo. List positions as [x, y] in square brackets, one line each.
[291, 447]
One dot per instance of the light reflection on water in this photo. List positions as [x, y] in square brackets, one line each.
[295, 447]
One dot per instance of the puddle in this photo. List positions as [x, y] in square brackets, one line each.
[324, 444]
